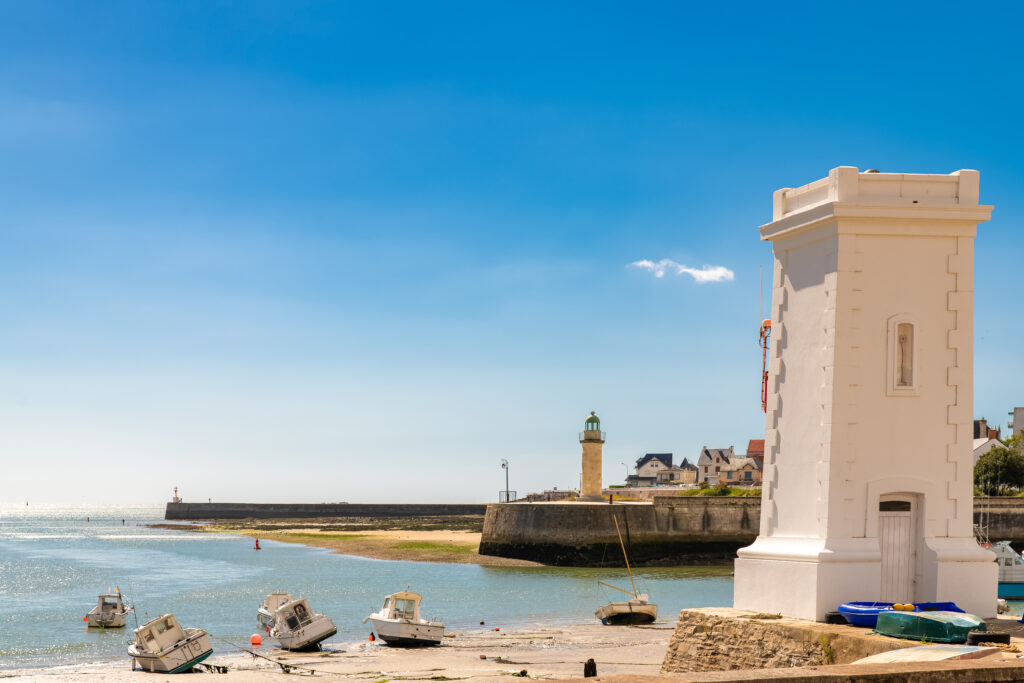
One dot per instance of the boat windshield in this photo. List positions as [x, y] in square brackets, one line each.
[301, 613]
[405, 609]
[110, 601]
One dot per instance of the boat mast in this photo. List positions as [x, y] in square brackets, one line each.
[624, 556]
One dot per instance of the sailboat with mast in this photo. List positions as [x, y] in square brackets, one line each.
[638, 609]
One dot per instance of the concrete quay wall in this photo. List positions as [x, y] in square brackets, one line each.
[1002, 517]
[671, 530]
[197, 511]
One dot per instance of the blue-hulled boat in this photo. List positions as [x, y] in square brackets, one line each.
[865, 614]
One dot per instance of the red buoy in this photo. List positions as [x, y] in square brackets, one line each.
[257, 546]
[372, 638]
[255, 640]
[85, 618]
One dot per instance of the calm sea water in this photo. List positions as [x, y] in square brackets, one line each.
[53, 564]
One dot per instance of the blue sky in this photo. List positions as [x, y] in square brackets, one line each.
[341, 251]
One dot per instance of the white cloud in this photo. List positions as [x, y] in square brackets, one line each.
[705, 274]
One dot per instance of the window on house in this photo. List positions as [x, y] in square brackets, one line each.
[718, 469]
[905, 355]
[728, 475]
[747, 475]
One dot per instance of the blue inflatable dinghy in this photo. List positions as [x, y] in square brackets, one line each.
[866, 613]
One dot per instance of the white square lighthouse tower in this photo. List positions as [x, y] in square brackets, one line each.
[868, 482]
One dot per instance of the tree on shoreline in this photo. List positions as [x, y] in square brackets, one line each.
[1000, 471]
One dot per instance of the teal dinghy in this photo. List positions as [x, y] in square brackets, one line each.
[936, 627]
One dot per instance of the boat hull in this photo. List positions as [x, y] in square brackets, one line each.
[627, 613]
[307, 637]
[109, 620]
[408, 634]
[936, 627]
[265, 619]
[181, 658]
[1011, 590]
[865, 614]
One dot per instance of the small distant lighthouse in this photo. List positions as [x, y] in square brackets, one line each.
[592, 440]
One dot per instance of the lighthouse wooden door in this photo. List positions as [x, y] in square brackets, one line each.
[898, 540]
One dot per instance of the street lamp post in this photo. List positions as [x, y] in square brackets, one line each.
[627, 469]
[504, 466]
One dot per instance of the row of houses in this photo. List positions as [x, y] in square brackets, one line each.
[712, 466]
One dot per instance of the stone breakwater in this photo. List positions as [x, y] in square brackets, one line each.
[196, 511]
[670, 531]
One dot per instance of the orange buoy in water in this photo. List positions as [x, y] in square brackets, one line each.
[372, 637]
[85, 618]
[255, 640]
[257, 546]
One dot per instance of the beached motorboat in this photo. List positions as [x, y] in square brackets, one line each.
[265, 612]
[297, 627]
[109, 612]
[866, 613]
[163, 646]
[936, 627]
[399, 623]
[1011, 571]
[636, 610]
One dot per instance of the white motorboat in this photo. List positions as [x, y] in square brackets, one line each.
[109, 612]
[636, 610]
[1011, 571]
[398, 622]
[265, 612]
[163, 646]
[297, 627]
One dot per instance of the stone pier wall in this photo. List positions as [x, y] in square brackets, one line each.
[187, 511]
[1003, 518]
[669, 531]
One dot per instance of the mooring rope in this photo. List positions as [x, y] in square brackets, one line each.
[285, 668]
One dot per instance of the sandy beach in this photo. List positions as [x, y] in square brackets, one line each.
[457, 546]
[537, 652]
